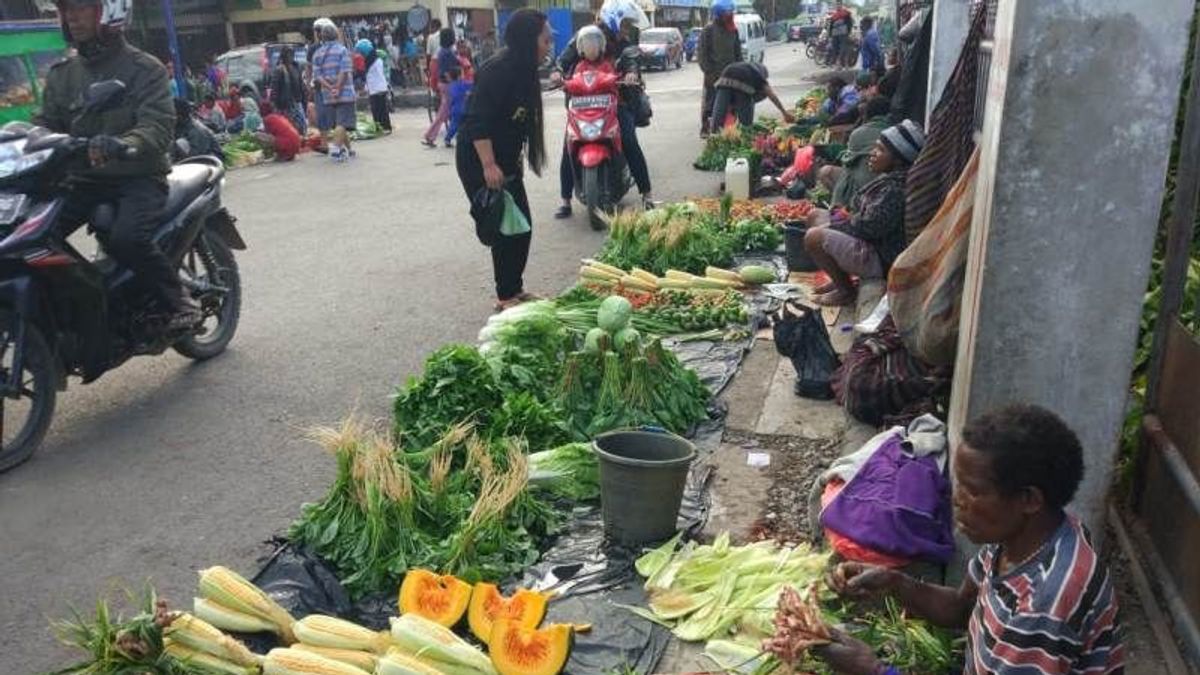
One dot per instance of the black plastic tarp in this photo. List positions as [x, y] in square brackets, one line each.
[593, 579]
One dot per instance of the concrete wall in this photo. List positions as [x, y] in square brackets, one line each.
[951, 20]
[1078, 128]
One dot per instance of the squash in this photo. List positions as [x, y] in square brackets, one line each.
[517, 650]
[442, 599]
[525, 607]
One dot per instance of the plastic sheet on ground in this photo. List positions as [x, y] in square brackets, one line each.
[594, 580]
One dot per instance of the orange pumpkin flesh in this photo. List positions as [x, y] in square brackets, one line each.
[526, 607]
[516, 650]
[442, 599]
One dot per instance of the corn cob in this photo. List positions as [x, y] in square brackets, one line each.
[718, 273]
[201, 636]
[202, 660]
[679, 284]
[586, 272]
[630, 281]
[615, 271]
[707, 282]
[644, 275]
[676, 274]
[226, 587]
[397, 662]
[224, 618]
[326, 631]
[417, 635]
[297, 662]
[365, 660]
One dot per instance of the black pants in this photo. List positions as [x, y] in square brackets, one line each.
[509, 254]
[706, 108]
[731, 99]
[630, 147]
[139, 203]
[379, 111]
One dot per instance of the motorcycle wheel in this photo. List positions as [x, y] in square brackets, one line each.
[211, 261]
[811, 51]
[35, 404]
[593, 197]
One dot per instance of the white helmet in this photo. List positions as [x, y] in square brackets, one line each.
[114, 14]
[615, 12]
[590, 42]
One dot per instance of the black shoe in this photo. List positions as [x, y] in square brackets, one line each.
[449, 144]
[563, 211]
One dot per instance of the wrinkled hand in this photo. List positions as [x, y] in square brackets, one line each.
[631, 79]
[493, 176]
[848, 655]
[105, 149]
[859, 580]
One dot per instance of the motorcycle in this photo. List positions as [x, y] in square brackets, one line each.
[594, 139]
[64, 314]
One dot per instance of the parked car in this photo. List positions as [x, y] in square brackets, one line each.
[661, 48]
[753, 34]
[691, 41]
[249, 68]
[803, 32]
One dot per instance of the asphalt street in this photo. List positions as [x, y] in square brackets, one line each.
[354, 274]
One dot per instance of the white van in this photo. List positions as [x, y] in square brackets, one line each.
[753, 34]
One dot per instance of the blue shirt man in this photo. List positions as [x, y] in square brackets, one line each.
[872, 47]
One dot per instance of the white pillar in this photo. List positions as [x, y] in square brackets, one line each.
[951, 20]
[1079, 120]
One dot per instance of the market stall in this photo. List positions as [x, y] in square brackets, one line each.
[478, 533]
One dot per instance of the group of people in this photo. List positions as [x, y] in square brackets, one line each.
[452, 71]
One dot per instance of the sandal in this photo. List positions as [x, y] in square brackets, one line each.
[502, 305]
[836, 298]
[428, 143]
[529, 297]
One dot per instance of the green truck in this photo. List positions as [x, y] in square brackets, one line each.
[27, 50]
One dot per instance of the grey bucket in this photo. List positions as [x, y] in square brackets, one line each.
[642, 476]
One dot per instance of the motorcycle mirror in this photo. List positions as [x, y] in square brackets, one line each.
[103, 95]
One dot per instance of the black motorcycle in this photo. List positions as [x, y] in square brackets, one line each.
[62, 313]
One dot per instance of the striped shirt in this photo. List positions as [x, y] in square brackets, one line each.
[330, 60]
[1054, 613]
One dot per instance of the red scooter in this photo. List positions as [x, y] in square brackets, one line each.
[594, 139]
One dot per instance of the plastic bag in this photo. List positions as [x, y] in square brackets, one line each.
[514, 221]
[800, 335]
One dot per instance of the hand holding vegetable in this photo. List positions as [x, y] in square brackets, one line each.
[849, 655]
[859, 580]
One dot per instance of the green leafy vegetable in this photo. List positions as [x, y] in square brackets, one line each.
[569, 471]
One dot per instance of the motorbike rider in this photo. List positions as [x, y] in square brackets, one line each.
[127, 160]
[718, 47]
[618, 19]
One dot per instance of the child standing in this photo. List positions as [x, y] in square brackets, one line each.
[377, 86]
[459, 90]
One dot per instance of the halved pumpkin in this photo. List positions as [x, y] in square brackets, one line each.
[442, 599]
[525, 607]
[516, 650]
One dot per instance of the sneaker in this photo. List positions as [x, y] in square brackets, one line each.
[563, 212]
[428, 143]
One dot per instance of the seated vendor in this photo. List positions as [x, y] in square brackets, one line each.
[854, 174]
[1037, 598]
[841, 106]
[740, 86]
[865, 243]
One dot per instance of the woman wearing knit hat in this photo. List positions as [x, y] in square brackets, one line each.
[865, 245]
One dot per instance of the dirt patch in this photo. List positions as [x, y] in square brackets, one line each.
[796, 464]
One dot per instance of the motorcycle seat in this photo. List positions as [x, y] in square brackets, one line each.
[185, 183]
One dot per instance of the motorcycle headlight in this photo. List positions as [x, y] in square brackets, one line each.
[17, 165]
[590, 131]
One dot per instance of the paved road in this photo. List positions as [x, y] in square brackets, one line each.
[354, 274]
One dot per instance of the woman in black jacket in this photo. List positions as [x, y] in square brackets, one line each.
[504, 119]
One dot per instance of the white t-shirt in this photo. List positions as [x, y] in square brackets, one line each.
[376, 82]
[432, 45]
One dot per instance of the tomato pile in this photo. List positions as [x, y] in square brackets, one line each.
[785, 212]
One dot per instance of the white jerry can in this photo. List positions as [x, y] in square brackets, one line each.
[737, 177]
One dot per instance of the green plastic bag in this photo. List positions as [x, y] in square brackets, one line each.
[514, 222]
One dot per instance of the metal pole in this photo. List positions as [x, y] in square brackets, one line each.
[168, 12]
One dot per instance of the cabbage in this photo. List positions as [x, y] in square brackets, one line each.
[614, 313]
